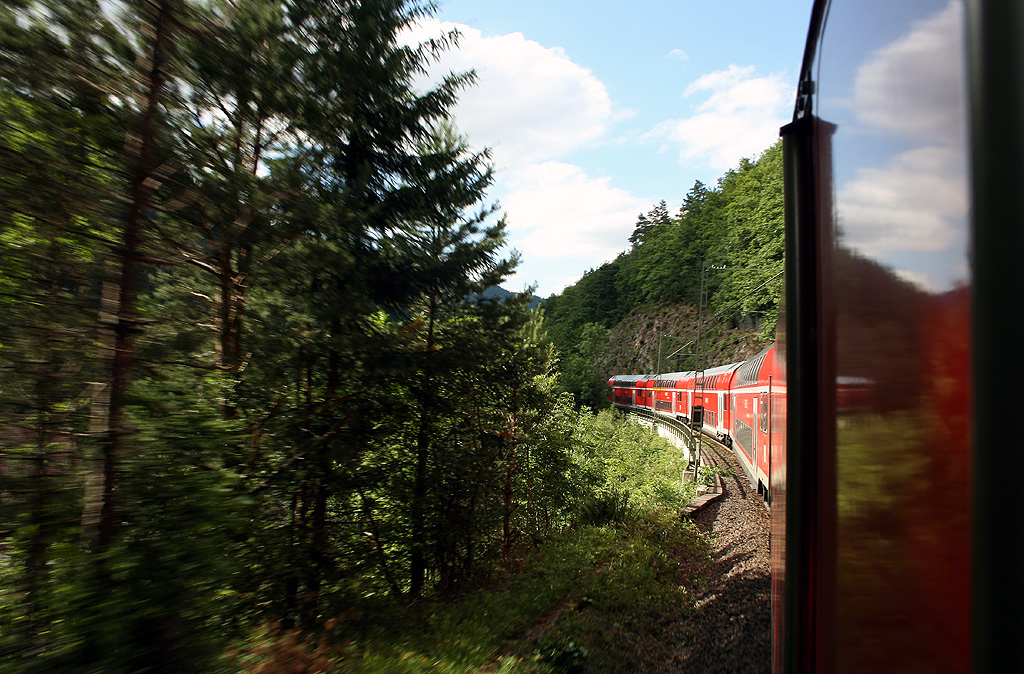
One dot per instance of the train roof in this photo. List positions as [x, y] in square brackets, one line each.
[721, 369]
[629, 379]
[750, 372]
[675, 375]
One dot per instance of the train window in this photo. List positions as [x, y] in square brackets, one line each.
[764, 412]
[884, 76]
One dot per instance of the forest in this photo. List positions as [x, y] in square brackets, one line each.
[696, 289]
[255, 401]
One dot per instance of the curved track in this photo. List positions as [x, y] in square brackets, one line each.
[731, 629]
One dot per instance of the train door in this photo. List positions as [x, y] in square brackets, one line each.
[754, 436]
[732, 415]
[697, 411]
[762, 426]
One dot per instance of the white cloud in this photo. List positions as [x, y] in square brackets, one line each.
[740, 117]
[906, 87]
[915, 203]
[564, 222]
[919, 279]
[911, 210]
[531, 103]
[678, 54]
[562, 212]
[534, 106]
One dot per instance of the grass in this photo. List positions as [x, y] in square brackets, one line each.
[596, 599]
[606, 596]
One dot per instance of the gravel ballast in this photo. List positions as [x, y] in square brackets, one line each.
[731, 630]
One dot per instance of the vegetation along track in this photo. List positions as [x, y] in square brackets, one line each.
[731, 629]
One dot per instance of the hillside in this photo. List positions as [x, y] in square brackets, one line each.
[633, 344]
[639, 312]
[501, 294]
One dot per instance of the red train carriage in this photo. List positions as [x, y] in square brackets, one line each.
[623, 391]
[632, 391]
[672, 395]
[645, 393]
[683, 397]
[665, 394]
[711, 396]
[752, 420]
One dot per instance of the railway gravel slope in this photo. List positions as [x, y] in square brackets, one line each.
[731, 631]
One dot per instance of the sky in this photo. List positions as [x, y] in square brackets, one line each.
[594, 111]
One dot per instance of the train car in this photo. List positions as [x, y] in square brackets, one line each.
[665, 394]
[683, 396]
[623, 392]
[684, 387]
[750, 395]
[644, 392]
[895, 545]
[710, 394]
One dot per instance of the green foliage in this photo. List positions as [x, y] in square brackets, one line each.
[612, 623]
[593, 599]
[756, 240]
[629, 466]
[243, 383]
[706, 474]
[738, 225]
[583, 373]
[164, 589]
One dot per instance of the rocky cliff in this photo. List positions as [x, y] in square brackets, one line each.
[663, 338]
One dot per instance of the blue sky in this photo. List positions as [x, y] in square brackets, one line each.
[597, 110]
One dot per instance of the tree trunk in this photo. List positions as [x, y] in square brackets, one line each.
[418, 559]
[318, 557]
[126, 320]
[230, 306]
[509, 486]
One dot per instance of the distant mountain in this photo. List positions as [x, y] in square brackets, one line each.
[501, 293]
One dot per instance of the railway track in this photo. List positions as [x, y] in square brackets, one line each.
[724, 458]
[731, 629]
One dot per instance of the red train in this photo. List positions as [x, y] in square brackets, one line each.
[729, 402]
[890, 444]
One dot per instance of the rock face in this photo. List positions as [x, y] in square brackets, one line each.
[635, 343]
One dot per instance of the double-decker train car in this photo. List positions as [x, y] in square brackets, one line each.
[751, 400]
[886, 407]
[706, 400]
[731, 403]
